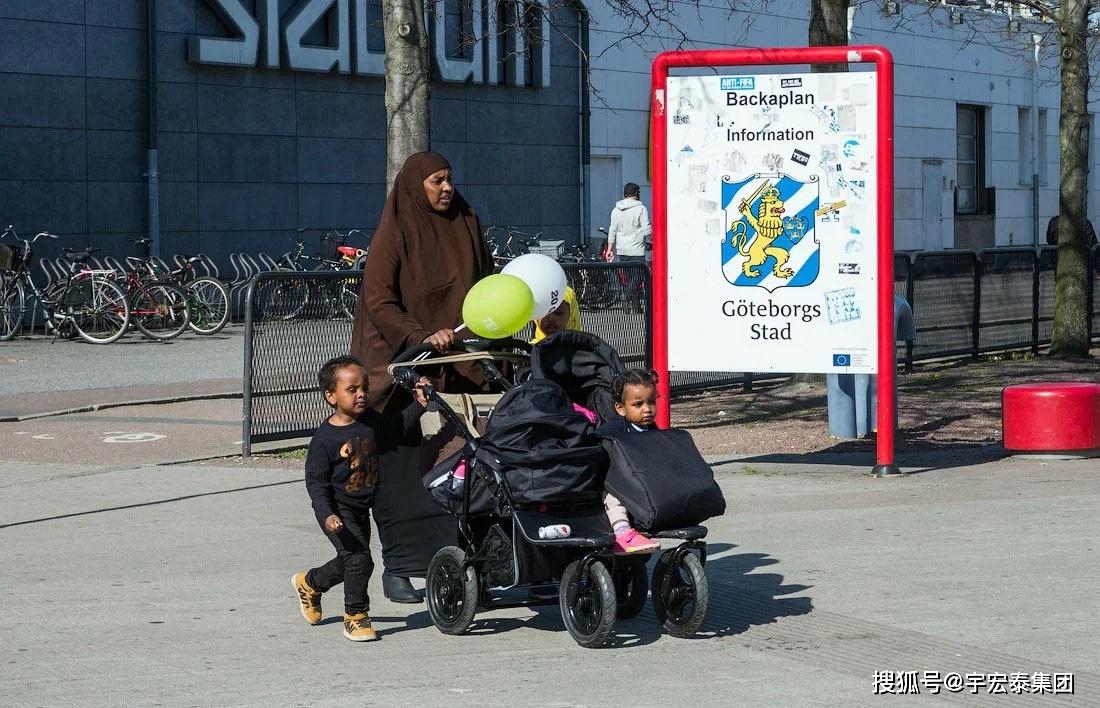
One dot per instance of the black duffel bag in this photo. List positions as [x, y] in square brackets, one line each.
[662, 480]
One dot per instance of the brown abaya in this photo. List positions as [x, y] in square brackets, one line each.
[419, 268]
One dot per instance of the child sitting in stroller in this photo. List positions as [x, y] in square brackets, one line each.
[635, 396]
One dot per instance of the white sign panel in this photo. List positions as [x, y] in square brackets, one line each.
[772, 223]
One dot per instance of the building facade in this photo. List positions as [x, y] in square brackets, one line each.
[268, 117]
[968, 98]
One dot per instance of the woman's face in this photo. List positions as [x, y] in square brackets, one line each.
[556, 321]
[440, 189]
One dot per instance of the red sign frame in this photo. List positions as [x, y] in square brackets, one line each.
[884, 75]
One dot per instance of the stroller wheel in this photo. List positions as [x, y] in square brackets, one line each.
[680, 592]
[631, 586]
[587, 600]
[451, 593]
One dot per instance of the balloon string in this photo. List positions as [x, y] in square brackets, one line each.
[460, 328]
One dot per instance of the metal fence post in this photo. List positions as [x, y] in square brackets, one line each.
[246, 397]
[909, 291]
[648, 279]
[1094, 272]
[1035, 302]
[976, 321]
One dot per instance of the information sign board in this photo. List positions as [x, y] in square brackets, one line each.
[772, 240]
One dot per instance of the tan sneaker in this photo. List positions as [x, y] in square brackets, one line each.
[357, 628]
[309, 599]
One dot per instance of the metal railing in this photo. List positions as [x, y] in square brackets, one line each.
[977, 302]
[296, 321]
[964, 303]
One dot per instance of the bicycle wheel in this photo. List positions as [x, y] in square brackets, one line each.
[600, 290]
[57, 321]
[349, 298]
[283, 299]
[103, 316]
[209, 300]
[12, 302]
[160, 310]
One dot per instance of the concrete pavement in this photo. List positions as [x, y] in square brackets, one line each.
[41, 366]
[169, 585]
[130, 581]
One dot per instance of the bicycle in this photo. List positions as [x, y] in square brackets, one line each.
[288, 299]
[336, 254]
[87, 302]
[335, 250]
[596, 288]
[512, 244]
[207, 297]
[158, 308]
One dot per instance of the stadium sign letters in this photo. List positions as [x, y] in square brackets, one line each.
[261, 39]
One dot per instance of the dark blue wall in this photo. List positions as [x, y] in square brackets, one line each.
[247, 156]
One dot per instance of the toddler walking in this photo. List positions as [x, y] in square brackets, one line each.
[341, 473]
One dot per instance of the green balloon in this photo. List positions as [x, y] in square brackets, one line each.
[498, 306]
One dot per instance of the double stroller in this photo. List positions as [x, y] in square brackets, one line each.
[523, 472]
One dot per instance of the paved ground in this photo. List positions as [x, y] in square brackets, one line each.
[168, 585]
[34, 364]
[128, 435]
[132, 582]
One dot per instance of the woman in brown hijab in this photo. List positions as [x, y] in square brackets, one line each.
[425, 256]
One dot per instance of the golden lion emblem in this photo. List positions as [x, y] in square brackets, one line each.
[768, 223]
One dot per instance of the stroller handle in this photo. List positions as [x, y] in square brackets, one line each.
[412, 352]
[468, 344]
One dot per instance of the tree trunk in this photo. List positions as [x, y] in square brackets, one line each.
[408, 82]
[828, 28]
[1070, 334]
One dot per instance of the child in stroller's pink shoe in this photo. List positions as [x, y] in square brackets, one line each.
[635, 395]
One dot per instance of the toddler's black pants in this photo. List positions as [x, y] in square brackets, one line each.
[352, 565]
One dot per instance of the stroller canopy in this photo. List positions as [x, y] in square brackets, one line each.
[583, 365]
[546, 450]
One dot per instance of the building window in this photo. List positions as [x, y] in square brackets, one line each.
[970, 192]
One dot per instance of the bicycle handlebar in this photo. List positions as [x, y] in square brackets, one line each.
[26, 241]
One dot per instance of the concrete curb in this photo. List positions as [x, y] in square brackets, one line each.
[92, 407]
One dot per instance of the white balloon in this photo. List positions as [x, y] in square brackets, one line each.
[544, 276]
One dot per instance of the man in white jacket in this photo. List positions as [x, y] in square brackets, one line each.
[628, 239]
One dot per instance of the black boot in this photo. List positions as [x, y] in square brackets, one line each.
[399, 589]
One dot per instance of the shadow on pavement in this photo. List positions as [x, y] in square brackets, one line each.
[739, 599]
[861, 453]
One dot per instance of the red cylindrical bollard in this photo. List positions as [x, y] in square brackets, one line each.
[1061, 416]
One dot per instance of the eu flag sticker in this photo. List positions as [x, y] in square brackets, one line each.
[842, 359]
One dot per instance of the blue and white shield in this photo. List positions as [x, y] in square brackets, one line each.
[771, 241]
